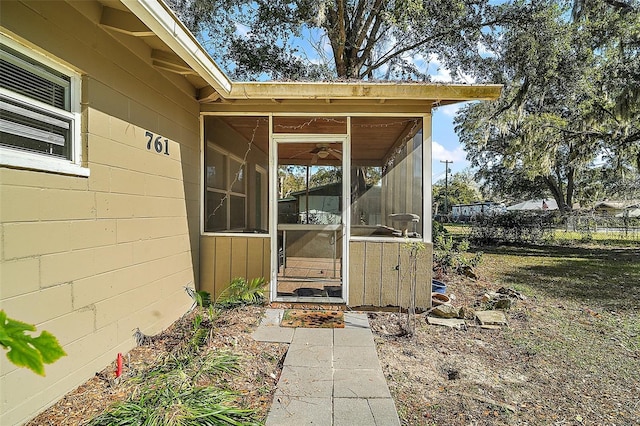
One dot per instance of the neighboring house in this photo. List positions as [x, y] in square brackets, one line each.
[540, 205]
[131, 167]
[325, 205]
[631, 212]
[615, 208]
[465, 212]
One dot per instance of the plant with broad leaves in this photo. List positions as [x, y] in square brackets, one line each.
[243, 292]
[25, 350]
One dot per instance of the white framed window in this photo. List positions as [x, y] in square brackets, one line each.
[39, 112]
[261, 196]
[226, 191]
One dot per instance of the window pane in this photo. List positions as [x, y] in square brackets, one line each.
[237, 176]
[28, 77]
[236, 161]
[216, 169]
[32, 129]
[216, 212]
[237, 212]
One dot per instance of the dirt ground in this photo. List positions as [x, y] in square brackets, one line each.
[255, 380]
[570, 354]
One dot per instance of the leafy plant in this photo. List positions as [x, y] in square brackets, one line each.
[243, 292]
[513, 227]
[203, 298]
[25, 350]
[171, 406]
[171, 394]
[450, 257]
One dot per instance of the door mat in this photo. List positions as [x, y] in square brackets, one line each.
[305, 318]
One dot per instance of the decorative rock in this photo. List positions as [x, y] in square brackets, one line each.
[502, 304]
[445, 311]
[491, 317]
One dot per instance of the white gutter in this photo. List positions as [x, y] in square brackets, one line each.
[171, 31]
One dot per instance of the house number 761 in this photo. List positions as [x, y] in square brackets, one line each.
[158, 143]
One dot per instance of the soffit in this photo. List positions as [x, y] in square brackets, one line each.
[172, 48]
[374, 139]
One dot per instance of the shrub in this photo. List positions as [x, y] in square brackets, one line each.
[243, 292]
[451, 257]
[513, 227]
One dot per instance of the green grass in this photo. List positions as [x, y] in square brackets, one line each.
[608, 238]
[603, 277]
[585, 303]
[580, 323]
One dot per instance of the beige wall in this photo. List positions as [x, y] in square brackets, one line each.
[92, 259]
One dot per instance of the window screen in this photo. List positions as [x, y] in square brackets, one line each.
[34, 106]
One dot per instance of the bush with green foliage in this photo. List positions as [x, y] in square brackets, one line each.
[513, 227]
[452, 257]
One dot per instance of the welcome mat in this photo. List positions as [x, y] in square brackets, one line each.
[305, 318]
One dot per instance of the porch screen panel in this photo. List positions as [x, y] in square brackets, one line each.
[386, 177]
[235, 177]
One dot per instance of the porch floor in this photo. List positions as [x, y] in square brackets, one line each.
[310, 278]
[311, 267]
[330, 376]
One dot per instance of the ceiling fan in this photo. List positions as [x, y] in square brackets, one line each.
[322, 151]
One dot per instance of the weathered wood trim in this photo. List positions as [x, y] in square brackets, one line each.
[372, 273]
[390, 274]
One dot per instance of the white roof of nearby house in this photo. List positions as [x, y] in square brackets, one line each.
[540, 204]
[634, 212]
[617, 204]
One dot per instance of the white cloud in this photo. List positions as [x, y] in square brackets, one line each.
[242, 30]
[439, 152]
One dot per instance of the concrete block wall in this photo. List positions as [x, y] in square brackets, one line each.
[92, 259]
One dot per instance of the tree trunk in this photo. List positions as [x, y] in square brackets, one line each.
[570, 188]
[553, 186]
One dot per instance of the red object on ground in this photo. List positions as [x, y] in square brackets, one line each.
[119, 367]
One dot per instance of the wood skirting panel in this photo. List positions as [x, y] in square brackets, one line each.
[379, 274]
[225, 258]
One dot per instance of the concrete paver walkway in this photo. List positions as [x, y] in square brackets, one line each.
[330, 376]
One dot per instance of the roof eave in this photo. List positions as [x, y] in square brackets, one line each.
[171, 31]
[357, 90]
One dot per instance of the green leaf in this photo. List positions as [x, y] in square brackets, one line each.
[25, 350]
[49, 347]
[24, 355]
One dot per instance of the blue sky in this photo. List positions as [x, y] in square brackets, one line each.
[445, 144]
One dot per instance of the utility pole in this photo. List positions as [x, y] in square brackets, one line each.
[446, 185]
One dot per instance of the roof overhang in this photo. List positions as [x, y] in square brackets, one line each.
[166, 26]
[221, 94]
[356, 90]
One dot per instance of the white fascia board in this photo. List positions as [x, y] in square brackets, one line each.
[171, 31]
